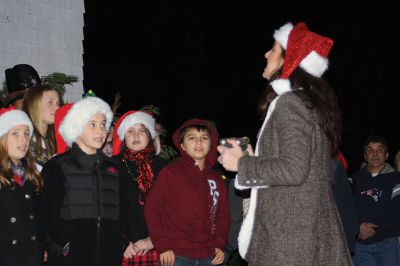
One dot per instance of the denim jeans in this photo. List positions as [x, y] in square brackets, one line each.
[398, 249]
[185, 261]
[383, 253]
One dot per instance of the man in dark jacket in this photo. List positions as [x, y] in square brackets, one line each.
[376, 194]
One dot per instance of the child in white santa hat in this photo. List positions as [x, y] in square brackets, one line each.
[80, 204]
[136, 146]
[20, 182]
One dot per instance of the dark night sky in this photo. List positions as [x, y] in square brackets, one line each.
[205, 59]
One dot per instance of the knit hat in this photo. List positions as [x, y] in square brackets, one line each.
[70, 119]
[304, 48]
[11, 117]
[127, 120]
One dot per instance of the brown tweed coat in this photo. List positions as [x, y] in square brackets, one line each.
[296, 221]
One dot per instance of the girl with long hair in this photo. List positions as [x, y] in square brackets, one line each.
[20, 182]
[292, 218]
[40, 103]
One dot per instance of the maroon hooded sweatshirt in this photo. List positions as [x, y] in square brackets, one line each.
[187, 209]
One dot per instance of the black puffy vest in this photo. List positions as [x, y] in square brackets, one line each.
[91, 186]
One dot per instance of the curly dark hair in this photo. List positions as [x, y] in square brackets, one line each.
[316, 93]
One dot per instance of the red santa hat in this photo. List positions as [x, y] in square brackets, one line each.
[126, 121]
[11, 117]
[304, 48]
[58, 117]
[70, 119]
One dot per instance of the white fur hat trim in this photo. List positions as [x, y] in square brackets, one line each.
[314, 64]
[13, 118]
[135, 118]
[281, 86]
[281, 35]
[80, 114]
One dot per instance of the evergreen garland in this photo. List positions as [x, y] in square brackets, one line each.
[56, 80]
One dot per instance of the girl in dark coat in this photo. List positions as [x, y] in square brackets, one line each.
[135, 132]
[19, 183]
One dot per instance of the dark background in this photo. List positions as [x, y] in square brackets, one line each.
[205, 59]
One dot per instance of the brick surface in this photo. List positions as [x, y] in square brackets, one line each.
[47, 34]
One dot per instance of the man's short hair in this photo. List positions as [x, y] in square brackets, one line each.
[376, 139]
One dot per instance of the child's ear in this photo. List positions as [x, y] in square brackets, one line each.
[183, 148]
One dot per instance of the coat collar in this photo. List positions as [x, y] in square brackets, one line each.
[86, 160]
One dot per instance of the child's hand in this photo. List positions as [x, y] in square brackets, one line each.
[219, 257]
[144, 245]
[167, 258]
[130, 251]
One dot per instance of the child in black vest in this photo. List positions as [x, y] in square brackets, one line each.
[80, 201]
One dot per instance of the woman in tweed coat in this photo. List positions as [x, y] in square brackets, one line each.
[292, 217]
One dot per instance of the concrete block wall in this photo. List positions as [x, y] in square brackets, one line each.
[46, 34]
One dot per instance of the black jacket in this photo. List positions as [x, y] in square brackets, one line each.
[343, 195]
[377, 201]
[19, 244]
[80, 206]
[132, 217]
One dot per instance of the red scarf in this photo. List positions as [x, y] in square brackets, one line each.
[20, 180]
[143, 160]
[18, 171]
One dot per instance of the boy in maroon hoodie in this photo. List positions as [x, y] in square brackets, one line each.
[187, 210]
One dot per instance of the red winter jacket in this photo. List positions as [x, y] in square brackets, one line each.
[187, 209]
